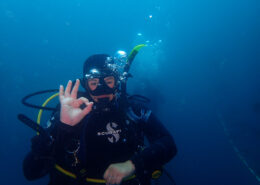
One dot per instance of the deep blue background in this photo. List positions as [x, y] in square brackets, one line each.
[202, 63]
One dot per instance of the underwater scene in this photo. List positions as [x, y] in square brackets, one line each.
[193, 64]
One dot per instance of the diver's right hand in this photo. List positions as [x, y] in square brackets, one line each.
[71, 113]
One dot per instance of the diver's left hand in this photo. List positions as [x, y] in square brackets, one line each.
[115, 173]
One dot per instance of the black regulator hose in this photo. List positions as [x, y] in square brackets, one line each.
[24, 100]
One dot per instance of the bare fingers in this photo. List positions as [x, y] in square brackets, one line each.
[112, 176]
[68, 92]
[75, 89]
[61, 92]
[113, 180]
[68, 88]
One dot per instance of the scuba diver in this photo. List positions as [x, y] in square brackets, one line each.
[97, 136]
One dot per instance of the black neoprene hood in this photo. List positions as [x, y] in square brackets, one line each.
[97, 66]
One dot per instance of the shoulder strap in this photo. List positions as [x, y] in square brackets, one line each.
[143, 116]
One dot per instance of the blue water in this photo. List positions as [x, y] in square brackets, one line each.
[202, 61]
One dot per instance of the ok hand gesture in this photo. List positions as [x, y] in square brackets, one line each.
[71, 113]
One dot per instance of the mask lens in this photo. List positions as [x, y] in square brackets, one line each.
[110, 81]
[93, 83]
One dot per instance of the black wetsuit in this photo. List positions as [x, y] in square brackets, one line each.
[100, 139]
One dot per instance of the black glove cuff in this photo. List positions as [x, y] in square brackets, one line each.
[41, 145]
[139, 166]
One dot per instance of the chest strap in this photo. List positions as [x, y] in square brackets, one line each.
[72, 175]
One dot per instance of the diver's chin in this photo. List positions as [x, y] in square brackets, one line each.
[103, 96]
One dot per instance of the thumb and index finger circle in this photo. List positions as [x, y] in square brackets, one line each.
[88, 108]
[88, 104]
